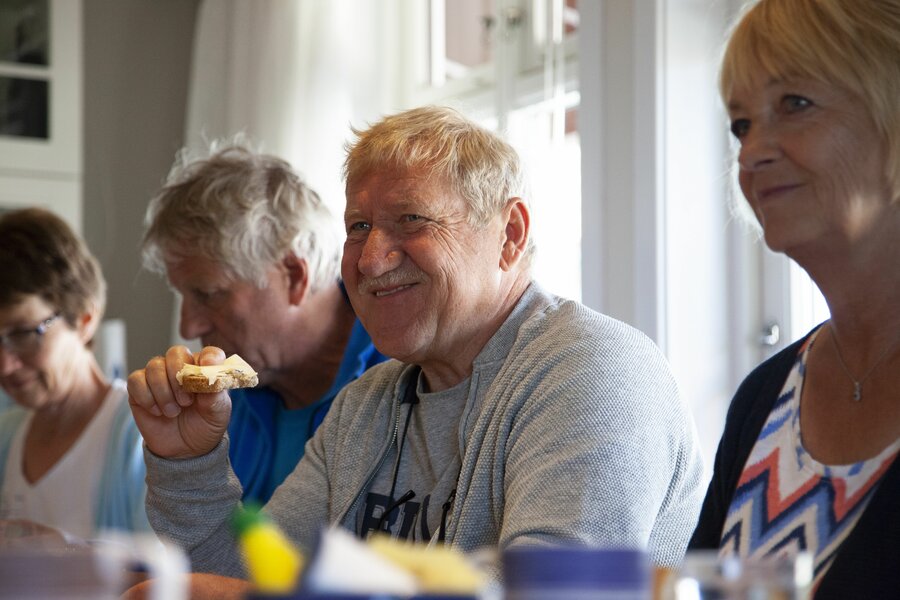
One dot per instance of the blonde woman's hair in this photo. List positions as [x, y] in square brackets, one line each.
[852, 44]
[245, 210]
[439, 141]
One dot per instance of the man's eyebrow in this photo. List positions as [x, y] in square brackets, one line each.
[351, 214]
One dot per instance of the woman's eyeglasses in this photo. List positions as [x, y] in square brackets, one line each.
[25, 342]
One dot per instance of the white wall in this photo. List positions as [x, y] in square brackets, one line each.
[136, 58]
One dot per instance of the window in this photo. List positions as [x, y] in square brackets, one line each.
[512, 65]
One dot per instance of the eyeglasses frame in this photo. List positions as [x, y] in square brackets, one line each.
[40, 330]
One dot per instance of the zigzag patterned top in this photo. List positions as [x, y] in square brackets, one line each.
[787, 502]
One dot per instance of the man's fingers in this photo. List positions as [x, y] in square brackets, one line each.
[177, 357]
[210, 355]
[158, 382]
[139, 393]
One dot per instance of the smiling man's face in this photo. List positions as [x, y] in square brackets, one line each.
[421, 277]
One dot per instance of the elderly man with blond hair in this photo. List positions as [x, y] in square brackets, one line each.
[510, 416]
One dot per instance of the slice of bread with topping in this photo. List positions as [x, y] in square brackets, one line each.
[233, 373]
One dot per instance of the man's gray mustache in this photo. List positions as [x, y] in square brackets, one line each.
[389, 279]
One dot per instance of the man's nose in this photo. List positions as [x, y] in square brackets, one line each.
[194, 322]
[380, 254]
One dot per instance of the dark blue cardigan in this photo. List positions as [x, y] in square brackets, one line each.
[867, 564]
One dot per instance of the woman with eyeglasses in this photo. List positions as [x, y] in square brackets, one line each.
[70, 454]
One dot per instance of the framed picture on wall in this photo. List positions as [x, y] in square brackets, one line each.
[24, 107]
[24, 68]
[25, 32]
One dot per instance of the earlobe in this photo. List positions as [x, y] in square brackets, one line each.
[517, 231]
[298, 277]
[88, 322]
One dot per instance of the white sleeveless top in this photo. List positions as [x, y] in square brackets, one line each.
[65, 497]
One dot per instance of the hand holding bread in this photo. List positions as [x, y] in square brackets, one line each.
[175, 420]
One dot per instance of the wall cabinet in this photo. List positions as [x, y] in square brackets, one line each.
[41, 106]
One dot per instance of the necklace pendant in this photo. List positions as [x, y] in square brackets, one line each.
[857, 391]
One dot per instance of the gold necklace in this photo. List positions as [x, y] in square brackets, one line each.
[857, 383]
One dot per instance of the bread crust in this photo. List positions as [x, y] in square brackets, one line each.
[198, 383]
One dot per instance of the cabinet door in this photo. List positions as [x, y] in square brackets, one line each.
[40, 87]
[62, 196]
[40, 106]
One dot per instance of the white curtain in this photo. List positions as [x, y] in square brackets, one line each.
[293, 75]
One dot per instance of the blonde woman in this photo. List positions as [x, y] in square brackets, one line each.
[808, 457]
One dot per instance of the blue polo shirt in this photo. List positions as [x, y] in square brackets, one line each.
[267, 440]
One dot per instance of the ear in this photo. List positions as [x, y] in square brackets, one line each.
[88, 323]
[517, 231]
[298, 277]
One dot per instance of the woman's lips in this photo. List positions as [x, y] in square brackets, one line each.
[17, 383]
[775, 191]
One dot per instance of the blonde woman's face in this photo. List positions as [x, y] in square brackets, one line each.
[811, 161]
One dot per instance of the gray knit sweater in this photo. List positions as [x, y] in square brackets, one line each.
[573, 433]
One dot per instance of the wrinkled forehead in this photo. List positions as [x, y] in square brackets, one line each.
[176, 251]
[185, 263]
[397, 184]
[408, 172]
